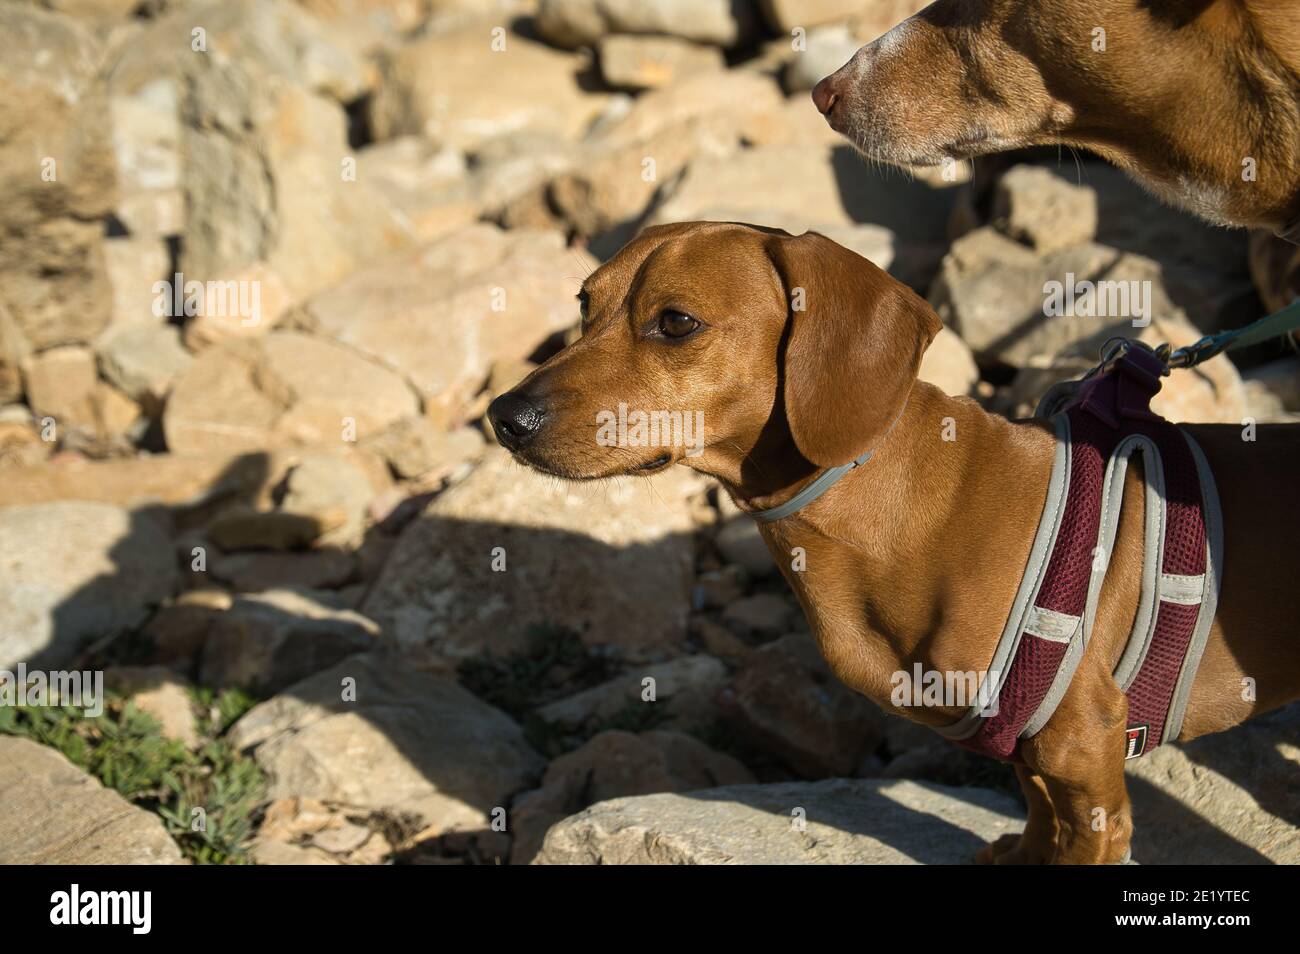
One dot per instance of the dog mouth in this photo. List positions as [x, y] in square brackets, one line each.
[567, 472]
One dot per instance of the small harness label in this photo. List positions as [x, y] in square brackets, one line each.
[1137, 742]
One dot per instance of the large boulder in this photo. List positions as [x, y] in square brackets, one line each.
[617, 764]
[53, 813]
[57, 164]
[464, 86]
[374, 732]
[288, 387]
[840, 821]
[508, 548]
[76, 572]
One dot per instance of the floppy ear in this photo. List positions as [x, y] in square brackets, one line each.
[854, 344]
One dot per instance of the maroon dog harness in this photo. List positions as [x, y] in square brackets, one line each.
[1106, 421]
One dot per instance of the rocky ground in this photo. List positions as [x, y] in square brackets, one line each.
[279, 530]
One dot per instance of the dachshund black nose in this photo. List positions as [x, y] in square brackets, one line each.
[515, 419]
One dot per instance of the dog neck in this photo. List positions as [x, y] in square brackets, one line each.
[922, 548]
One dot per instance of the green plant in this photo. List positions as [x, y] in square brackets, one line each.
[125, 749]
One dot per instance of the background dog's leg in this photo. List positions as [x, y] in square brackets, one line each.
[1080, 754]
[1037, 843]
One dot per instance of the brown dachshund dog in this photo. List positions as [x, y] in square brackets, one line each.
[800, 355]
[1198, 99]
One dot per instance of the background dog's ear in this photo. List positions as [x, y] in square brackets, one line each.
[854, 344]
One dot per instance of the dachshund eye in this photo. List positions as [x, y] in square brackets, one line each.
[676, 324]
[582, 307]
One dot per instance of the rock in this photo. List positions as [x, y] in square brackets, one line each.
[334, 492]
[14, 349]
[74, 573]
[243, 528]
[179, 629]
[287, 388]
[372, 23]
[60, 383]
[684, 687]
[263, 148]
[429, 185]
[416, 445]
[142, 360]
[252, 572]
[827, 49]
[159, 692]
[614, 765]
[1280, 379]
[1024, 311]
[56, 160]
[646, 62]
[51, 812]
[573, 23]
[459, 88]
[1227, 798]
[410, 742]
[133, 266]
[625, 163]
[840, 821]
[949, 365]
[440, 589]
[268, 852]
[765, 615]
[1211, 393]
[1040, 208]
[785, 701]
[132, 482]
[784, 15]
[441, 316]
[739, 542]
[271, 640]
[263, 298]
[797, 188]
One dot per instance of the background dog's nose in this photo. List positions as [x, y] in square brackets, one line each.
[824, 96]
[515, 419]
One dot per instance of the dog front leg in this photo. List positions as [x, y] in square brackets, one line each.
[1036, 845]
[1080, 755]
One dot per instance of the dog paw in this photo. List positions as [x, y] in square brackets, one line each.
[1011, 850]
[990, 853]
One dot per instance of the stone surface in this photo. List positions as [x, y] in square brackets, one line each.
[270, 640]
[740, 542]
[616, 764]
[410, 742]
[684, 690]
[1044, 210]
[143, 360]
[284, 389]
[949, 365]
[826, 50]
[60, 383]
[440, 590]
[785, 701]
[161, 693]
[1227, 798]
[457, 90]
[74, 573]
[574, 23]
[442, 315]
[51, 812]
[845, 821]
[59, 173]
[645, 62]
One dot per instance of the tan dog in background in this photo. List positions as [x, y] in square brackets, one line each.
[1198, 99]
[915, 557]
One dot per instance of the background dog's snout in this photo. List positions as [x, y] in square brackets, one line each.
[824, 95]
[515, 419]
